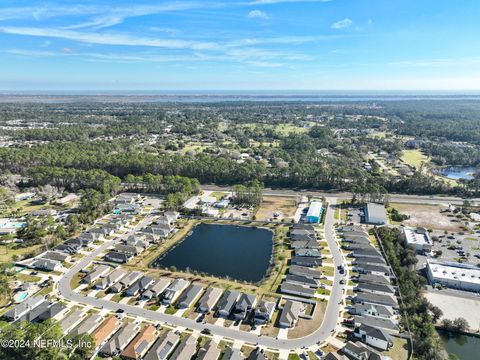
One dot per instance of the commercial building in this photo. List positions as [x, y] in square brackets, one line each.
[375, 214]
[314, 213]
[454, 275]
[418, 238]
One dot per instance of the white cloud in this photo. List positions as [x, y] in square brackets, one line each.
[258, 14]
[268, 2]
[345, 23]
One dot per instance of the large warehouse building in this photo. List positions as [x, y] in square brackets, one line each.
[375, 214]
[314, 213]
[454, 275]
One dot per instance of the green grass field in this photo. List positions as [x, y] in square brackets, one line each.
[414, 158]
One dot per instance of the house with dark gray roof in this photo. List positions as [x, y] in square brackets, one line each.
[369, 261]
[189, 296]
[374, 337]
[67, 249]
[244, 304]
[45, 265]
[55, 255]
[375, 310]
[371, 269]
[372, 278]
[140, 285]
[303, 280]
[118, 257]
[263, 312]
[389, 325]
[209, 299]
[360, 351]
[387, 300]
[295, 289]
[308, 252]
[227, 302]
[257, 354]
[44, 312]
[120, 340]
[375, 288]
[306, 261]
[304, 271]
[304, 244]
[24, 307]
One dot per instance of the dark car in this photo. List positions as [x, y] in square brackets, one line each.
[120, 311]
[206, 331]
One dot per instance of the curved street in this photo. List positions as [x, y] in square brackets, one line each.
[321, 334]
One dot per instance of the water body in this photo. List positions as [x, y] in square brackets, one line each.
[458, 172]
[239, 252]
[464, 347]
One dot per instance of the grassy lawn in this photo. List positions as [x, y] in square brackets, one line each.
[75, 282]
[11, 250]
[399, 350]
[170, 310]
[45, 291]
[27, 277]
[414, 158]
[218, 195]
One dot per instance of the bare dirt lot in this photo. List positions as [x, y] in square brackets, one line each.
[428, 216]
[284, 206]
[307, 326]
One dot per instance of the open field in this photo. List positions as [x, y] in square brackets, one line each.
[286, 206]
[427, 216]
[7, 253]
[414, 158]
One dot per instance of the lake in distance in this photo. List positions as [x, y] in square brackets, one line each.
[463, 347]
[239, 252]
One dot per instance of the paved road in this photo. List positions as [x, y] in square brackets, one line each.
[320, 335]
[400, 198]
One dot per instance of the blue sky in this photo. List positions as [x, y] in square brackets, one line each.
[250, 44]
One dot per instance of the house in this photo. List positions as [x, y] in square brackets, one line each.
[55, 256]
[87, 325]
[172, 215]
[374, 337]
[372, 278]
[290, 313]
[96, 273]
[189, 296]
[111, 279]
[31, 314]
[296, 232]
[23, 308]
[156, 289]
[117, 257]
[67, 249]
[67, 199]
[139, 285]
[127, 198]
[173, 291]
[302, 280]
[360, 351]
[126, 281]
[303, 226]
[226, 303]
[257, 354]
[375, 288]
[45, 265]
[263, 312]
[119, 340]
[52, 311]
[304, 271]
[44, 212]
[91, 236]
[305, 244]
[306, 261]
[371, 269]
[106, 328]
[390, 325]
[375, 214]
[128, 249]
[294, 289]
[209, 299]
[163, 347]
[372, 260]
[374, 310]
[232, 354]
[77, 242]
[71, 320]
[244, 304]
[387, 300]
[186, 349]
[222, 204]
[302, 237]
[140, 344]
[308, 253]
[208, 352]
[164, 221]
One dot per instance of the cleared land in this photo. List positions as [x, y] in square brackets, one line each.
[414, 158]
[285, 206]
[427, 216]
[306, 326]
